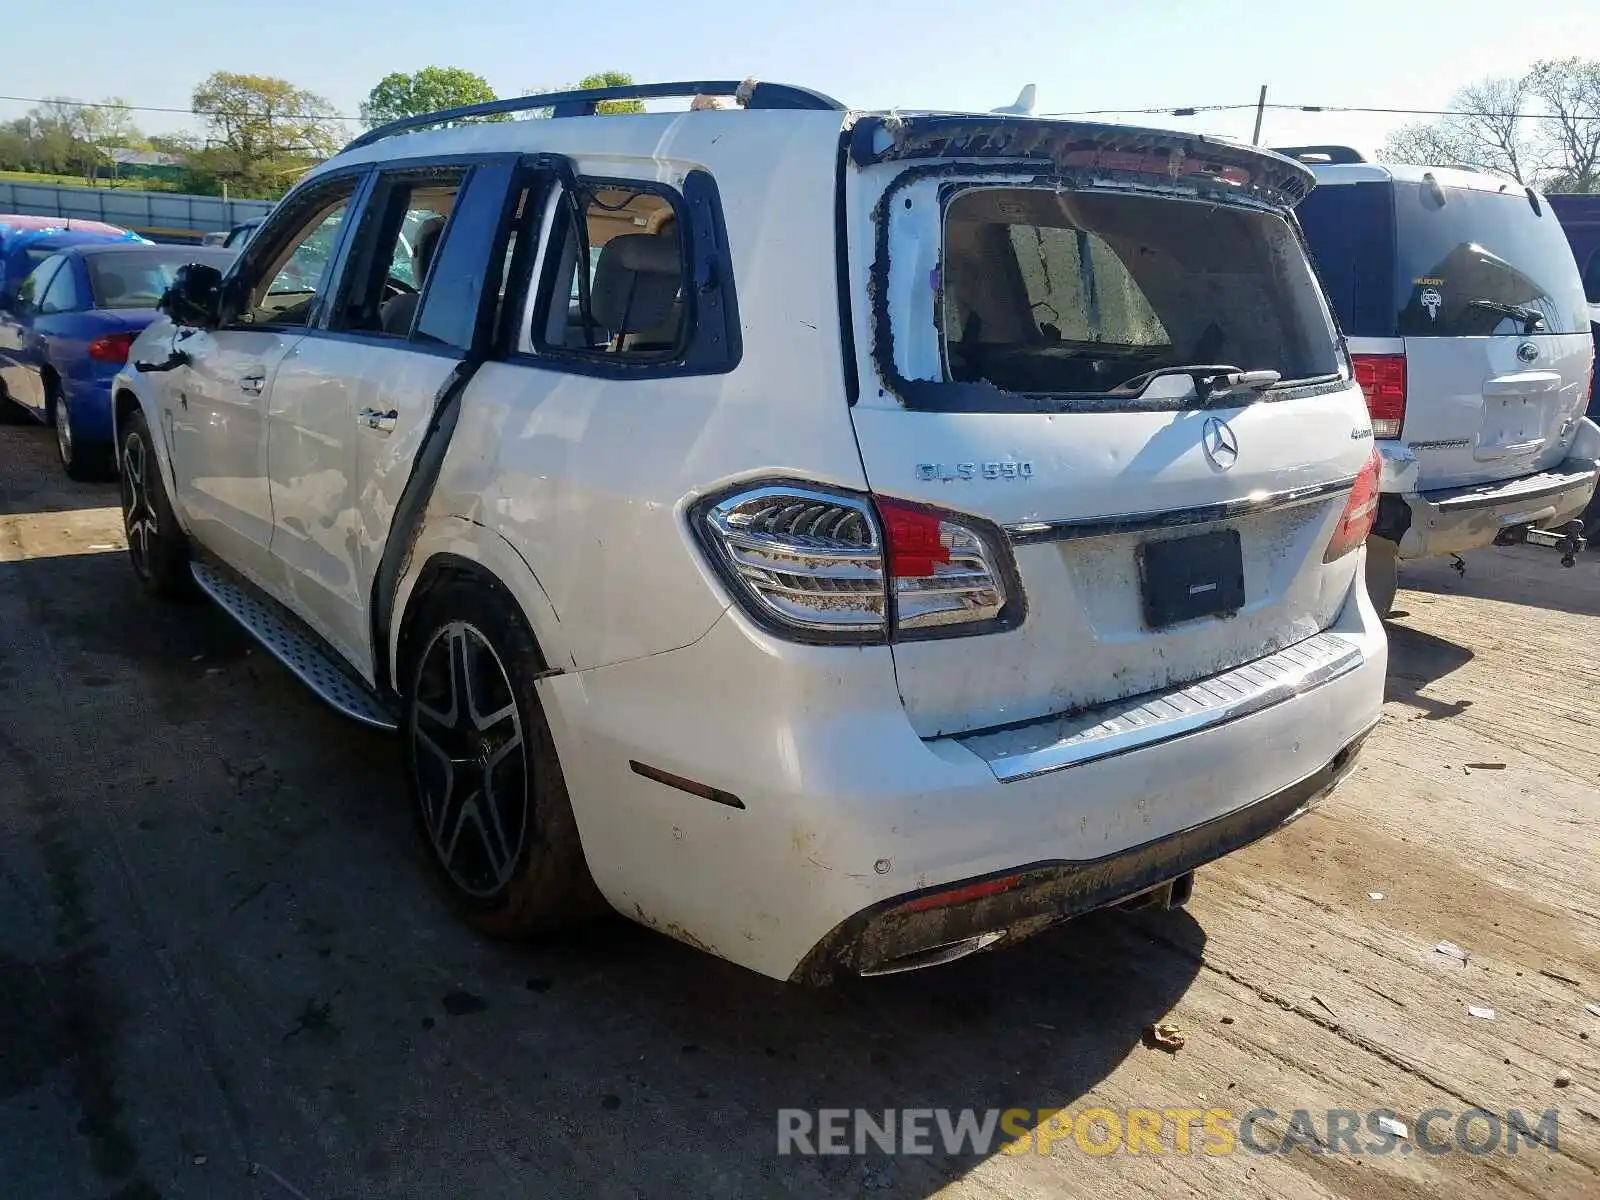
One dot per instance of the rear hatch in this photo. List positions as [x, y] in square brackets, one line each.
[1466, 314]
[1018, 289]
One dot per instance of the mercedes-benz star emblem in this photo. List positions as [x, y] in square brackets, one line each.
[1221, 447]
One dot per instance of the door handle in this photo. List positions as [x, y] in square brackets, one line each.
[383, 422]
[251, 385]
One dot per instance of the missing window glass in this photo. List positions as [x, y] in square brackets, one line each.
[1053, 292]
[619, 286]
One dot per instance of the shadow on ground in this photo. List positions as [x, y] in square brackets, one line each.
[1510, 574]
[279, 982]
[1417, 660]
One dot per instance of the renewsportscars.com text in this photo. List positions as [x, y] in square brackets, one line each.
[1210, 1131]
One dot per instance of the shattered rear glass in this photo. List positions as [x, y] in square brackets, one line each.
[1059, 292]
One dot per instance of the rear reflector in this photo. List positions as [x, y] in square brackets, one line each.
[1383, 381]
[960, 895]
[113, 348]
[1359, 510]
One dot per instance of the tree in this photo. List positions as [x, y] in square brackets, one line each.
[429, 90]
[53, 132]
[261, 132]
[600, 79]
[1541, 129]
[1486, 131]
[1570, 90]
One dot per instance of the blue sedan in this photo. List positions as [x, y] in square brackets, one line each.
[68, 330]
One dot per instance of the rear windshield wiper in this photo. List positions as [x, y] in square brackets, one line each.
[1532, 319]
[1213, 382]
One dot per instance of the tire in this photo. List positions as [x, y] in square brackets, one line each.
[1591, 519]
[157, 548]
[1383, 574]
[80, 461]
[487, 792]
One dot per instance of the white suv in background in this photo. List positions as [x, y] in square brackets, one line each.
[1470, 334]
[841, 541]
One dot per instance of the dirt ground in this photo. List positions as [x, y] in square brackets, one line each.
[225, 972]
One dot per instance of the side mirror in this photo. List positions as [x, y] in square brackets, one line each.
[195, 296]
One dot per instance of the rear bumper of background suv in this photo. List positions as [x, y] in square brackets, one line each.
[1426, 524]
[771, 803]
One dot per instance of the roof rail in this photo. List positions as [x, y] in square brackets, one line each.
[750, 93]
[1321, 154]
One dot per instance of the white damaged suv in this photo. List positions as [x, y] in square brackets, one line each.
[841, 541]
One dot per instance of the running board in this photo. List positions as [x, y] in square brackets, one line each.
[282, 635]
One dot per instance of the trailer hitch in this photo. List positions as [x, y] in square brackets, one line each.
[1568, 540]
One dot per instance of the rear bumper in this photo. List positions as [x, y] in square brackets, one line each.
[820, 810]
[1448, 521]
[909, 928]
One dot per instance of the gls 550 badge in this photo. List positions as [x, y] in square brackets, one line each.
[966, 471]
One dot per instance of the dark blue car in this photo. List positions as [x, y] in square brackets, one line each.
[67, 330]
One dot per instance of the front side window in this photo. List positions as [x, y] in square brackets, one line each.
[617, 283]
[296, 271]
[1047, 292]
[1476, 263]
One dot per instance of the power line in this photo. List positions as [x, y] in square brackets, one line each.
[1181, 110]
[1190, 110]
[155, 108]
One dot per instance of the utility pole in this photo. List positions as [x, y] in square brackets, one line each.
[1261, 111]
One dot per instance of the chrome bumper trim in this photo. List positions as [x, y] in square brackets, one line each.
[1055, 743]
[1027, 533]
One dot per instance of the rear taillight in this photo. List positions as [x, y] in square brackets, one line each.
[943, 572]
[1383, 381]
[835, 567]
[113, 348]
[1359, 510]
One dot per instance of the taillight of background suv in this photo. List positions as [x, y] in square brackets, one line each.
[1383, 382]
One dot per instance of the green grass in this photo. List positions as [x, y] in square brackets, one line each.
[132, 185]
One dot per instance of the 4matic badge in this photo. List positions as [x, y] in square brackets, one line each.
[965, 471]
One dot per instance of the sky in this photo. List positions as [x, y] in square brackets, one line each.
[867, 53]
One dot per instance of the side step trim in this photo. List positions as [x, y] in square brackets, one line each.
[1037, 747]
[297, 649]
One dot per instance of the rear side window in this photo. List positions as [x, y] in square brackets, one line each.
[470, 272]
[1591, 277]
[1350, 231]
[1476, 263]
[634, 279]
[1055, 292]
[33, 288]
[398, 238]
[138, 280]
[619, 284]
[62, 294]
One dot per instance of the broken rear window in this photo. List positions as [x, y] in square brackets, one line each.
[1046, 292]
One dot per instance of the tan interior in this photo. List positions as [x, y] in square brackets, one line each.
[640, 212]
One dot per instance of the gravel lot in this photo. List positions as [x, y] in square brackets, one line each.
[225, 971]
